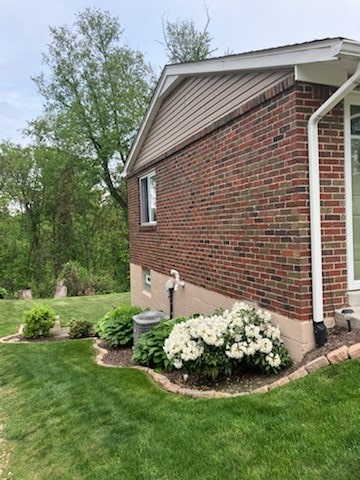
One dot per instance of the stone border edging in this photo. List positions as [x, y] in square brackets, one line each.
[13, 338]
[332, 358]
[336, 356]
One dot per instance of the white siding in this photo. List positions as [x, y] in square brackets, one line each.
[200, 101]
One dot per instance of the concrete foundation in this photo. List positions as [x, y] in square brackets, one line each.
[298, 336]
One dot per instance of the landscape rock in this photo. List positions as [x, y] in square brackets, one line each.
[299, 373]
[354, 351]
[319, 362]
[338, 355]
[278, 383]
[60, 289]
[25, 294]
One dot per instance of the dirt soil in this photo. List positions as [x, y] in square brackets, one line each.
[241, 381]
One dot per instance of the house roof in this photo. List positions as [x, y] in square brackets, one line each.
[328, 61]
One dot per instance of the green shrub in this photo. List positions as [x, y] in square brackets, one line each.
[116, 327]
[149, 349]
[75, 278]
[80, 328]
[78, 279]
[102, 283]
[215, 345]
[3, 292]
[38, 321]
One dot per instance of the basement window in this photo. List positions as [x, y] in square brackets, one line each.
[148, 199]
[146, 280]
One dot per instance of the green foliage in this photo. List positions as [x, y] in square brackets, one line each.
[116, 327]
[212, 364]
[77, 279]
[74, 276]
[92, 308]
[52, 210]
[55, 403]
[215, 345]
[149, 348]
[80, 328]
[102, 283]
[184, 43]
[91, 80]
[3, 292]
[38, 321]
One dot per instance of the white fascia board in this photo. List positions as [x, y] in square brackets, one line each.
[272, 58]
[348, 49]
[169, 83]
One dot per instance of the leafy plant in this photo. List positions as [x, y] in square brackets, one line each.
[38, 321]
[116, 327]
[3, 292]
[212, 346]
[74, 276]
[80, 328]
[149, 349]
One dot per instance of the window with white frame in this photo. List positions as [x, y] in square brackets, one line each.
[148, 198]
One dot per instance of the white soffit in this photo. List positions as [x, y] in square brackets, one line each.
[321, 73]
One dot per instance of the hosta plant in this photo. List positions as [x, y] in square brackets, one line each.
[213, 346]
[116, 327]
[149, 348]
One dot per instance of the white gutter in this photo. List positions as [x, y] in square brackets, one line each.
[314, 179]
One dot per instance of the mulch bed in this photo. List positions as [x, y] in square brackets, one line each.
[244, 380]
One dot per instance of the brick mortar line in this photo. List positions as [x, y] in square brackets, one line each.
[335, 356]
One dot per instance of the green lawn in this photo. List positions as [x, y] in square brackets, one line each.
[91, 307]
[67, 418]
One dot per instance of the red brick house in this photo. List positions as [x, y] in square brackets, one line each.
[245, 178]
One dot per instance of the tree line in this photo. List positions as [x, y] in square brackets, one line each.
[62, 198]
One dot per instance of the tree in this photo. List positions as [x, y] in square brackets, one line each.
[50, 214]
[184, 43]
[96, 94]
[21, 186]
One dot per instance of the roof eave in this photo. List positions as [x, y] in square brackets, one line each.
[329, 50]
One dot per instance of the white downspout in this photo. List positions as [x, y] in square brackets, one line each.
[314, 179]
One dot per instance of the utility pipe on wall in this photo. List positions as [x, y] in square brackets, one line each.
[315, 214]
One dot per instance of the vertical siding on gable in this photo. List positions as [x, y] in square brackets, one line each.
[199, 102]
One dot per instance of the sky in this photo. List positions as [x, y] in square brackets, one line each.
[236, 26]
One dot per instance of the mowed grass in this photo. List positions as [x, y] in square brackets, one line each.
[67, 418]
[90, 307]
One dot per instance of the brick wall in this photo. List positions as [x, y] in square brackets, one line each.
[233, 205]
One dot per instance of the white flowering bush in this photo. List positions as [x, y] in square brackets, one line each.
[215, 345]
